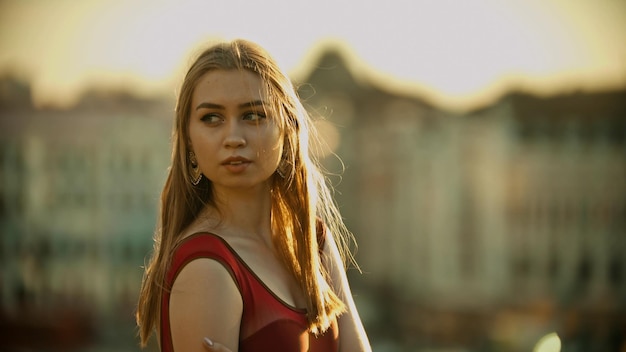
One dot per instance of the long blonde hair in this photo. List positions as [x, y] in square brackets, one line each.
[301, 198]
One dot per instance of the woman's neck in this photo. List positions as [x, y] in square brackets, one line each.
[244, 212]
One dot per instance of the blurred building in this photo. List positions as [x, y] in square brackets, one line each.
[519, 206]
[78, 197]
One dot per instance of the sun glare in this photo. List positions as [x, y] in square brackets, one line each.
[549, 343]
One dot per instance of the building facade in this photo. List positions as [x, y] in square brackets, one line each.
[516, 206]
[78, 197]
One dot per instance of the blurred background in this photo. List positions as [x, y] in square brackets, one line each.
[482, 146]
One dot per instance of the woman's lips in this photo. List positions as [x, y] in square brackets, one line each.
[236, 164]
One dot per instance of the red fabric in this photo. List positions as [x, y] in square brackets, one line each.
[267, 323]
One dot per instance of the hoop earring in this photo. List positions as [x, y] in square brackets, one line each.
[194, 170]
[280, 172]
[283, 169]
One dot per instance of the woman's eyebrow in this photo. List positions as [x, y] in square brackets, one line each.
[207, 105]
[252, 103]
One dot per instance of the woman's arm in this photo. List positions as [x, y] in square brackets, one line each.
[352, 336]
[204, 302]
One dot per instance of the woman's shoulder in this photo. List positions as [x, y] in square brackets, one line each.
[198, 236]
[199, 225]
[201, 244]
[203, 297]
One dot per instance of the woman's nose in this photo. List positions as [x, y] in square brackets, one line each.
[235, 137]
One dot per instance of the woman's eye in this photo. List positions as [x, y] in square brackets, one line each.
[254, 116]
[211, 118]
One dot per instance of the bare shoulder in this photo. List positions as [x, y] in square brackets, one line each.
[352, 333]
[197, 227]
[331, 255]
[204, 301]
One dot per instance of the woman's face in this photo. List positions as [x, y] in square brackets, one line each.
[233, 130]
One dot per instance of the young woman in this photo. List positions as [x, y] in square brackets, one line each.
[250, 245]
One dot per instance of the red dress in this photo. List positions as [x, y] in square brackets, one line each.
[267, 322]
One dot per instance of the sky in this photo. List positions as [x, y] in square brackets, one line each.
[457, 53]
